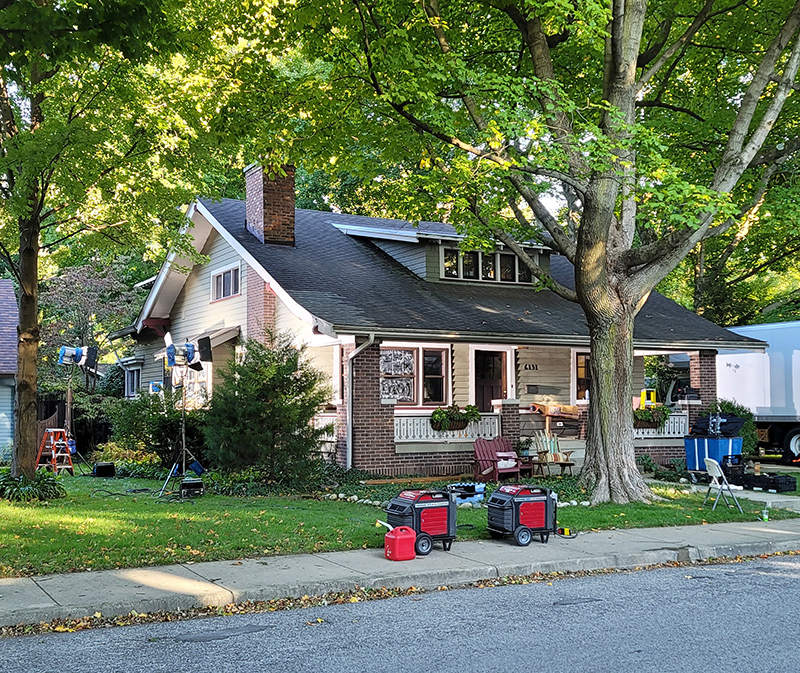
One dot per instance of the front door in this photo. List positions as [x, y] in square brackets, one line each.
[490, 378]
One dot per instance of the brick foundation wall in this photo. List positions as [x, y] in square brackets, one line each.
[661, 454]
[261, 303]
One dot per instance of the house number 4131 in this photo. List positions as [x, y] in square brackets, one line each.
[531, 367]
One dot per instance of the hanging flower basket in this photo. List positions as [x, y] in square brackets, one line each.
[651, 417]
[458, 424]
[453, 417]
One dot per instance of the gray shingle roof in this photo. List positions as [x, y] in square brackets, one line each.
[348, 282]
[8, 328]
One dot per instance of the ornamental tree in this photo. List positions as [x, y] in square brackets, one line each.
[620, 133]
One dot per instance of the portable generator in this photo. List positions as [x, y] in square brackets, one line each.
[431, 514]
[520, 511]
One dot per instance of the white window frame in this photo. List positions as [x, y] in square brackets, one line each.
[419, 378]
[511, 369]
[133, 375]
[216, 273]
[496, 254]
[573, 379]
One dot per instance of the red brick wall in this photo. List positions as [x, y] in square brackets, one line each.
[260, 306]
[269, 205]
[703, 376]
[509, 420]
[661, 454]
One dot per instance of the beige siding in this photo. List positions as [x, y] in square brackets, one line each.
[548, 368]
[321, 358]
[152, 369]
[638, 376]
[461, 374]
[194, 312]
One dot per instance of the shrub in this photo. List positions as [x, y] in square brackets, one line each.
[748, 432]
[129, 462]
[261, 412]
[44, 486]
[154, 423]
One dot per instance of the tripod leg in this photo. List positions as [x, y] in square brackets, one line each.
[172, 472]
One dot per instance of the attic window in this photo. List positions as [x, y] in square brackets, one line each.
[484, 266]
[225, 283]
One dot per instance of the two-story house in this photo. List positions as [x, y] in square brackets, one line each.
[402, 320]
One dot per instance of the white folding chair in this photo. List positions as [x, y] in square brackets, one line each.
[720, 483]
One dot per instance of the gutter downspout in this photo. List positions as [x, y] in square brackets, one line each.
[349, 456]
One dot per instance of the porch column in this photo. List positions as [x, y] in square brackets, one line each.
[509, 419]
[373, 418]
[703, 376]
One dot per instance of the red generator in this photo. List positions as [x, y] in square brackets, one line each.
[519, 511]
[431, 514]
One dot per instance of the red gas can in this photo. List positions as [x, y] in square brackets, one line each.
[399, 544]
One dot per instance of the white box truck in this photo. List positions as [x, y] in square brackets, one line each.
[767, 383]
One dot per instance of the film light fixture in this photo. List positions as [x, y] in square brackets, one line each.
[78, 355]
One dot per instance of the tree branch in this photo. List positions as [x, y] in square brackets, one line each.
[536, 270]
[698, 22]
[667, 106]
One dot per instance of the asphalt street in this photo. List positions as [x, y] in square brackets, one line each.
[730, 617]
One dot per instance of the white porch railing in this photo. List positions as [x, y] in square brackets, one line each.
[677, 425]
[413, 428]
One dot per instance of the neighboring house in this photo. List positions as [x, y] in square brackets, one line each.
[8, 365]
[412, 321]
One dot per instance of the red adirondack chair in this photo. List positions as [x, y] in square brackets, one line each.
[493, 458]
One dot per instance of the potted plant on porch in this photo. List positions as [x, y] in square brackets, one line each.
[651, 417]
[454, 417]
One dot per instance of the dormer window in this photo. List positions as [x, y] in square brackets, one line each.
[491, 267]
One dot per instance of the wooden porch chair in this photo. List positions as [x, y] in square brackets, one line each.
[494, 458]
[549, 454]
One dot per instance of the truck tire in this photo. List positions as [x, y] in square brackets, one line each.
[791, 446]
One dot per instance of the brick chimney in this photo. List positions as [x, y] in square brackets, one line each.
[270, 204]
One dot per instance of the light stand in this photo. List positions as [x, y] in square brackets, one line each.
[181, 359]
[82, 357]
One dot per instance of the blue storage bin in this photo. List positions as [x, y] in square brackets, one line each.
[700, 448]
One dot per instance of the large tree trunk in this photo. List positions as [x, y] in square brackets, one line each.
[610, 465]
[25, 408]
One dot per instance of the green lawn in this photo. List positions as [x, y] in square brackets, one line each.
[90, 529]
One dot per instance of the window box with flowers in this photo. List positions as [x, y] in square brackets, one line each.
[454, 417]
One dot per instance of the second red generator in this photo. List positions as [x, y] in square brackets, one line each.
[519, 511]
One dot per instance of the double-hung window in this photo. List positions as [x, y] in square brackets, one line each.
[225, 283]
[414, 375]
[133, 381]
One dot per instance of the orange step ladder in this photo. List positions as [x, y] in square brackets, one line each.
[54, 451]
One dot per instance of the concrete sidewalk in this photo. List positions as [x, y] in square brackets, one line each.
[190, 585]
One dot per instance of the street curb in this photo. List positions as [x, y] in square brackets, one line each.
[219, 595]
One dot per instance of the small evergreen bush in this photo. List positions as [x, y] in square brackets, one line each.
[262, 410]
